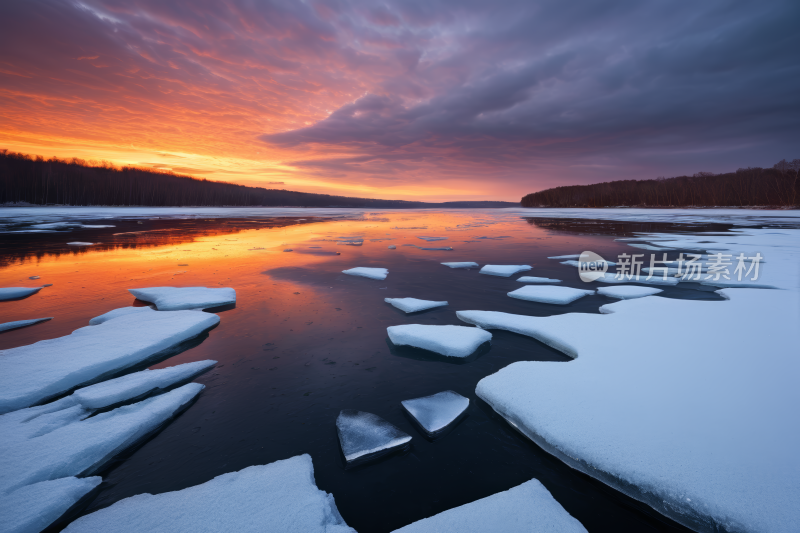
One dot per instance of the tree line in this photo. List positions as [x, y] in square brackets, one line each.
[778, 186]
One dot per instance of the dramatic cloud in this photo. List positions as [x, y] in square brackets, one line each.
[408, 98]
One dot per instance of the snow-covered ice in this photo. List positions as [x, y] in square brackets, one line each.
[412, 305]
[462, 264]
[368, 272]
[274, 498]
[504, 270]
[526, 508]
[392, 247]
[439, 248]
[435, 413]
[522, 324]
[626, 292]
[12, 293]
[452, 341]
[648, 247]
[32, 508]
[22, 323]
[37, 372]
[657, 279]
[533, 279]
[114, 313]
[431, 239]
[549, 294]
[178, 298]
[365, 435]
[568, 256]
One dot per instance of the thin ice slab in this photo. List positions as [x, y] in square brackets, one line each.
[504, 271]
[548, 294]
[627, 292]
[610, 277]
[437, 412]
[180, 298]
[432, 239]
[526, 508]
[364, 436]
[114, 313]
[35, 373]
[22, 323]
[452, 341]
[462, 264]
[13, 293]
[368, 272]
[569, 256]
[533, 279]
[413, 305]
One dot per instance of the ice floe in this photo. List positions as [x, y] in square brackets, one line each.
[533, 279]
[549, 294]
[626, 292]
[578, 264]
[281, 496]
[114, 313]
[504, 270]
[411, 305]
[658, 279]
[648, 247]
[431, 239]
[33, 508]
[437, 412]
[364, 436]
[35, 373]
[452, 341]
[568, 256]
[440, 248]
[179, 298]
[14, 293]
[392, 247]
[368, 272]
[22, 323]
[78, 243]
[526, 508]
[462, 264]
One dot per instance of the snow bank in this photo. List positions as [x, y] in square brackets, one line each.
[34, 373]
[32, 508]
[549, 294]
[412, 305]
[114, 313]
[278, 497]
[12, 293]
[527, 508]
[504, 270]
[463, 264]
[365, 435]
[367, 272]
[626, 292]
[533, 279]
[453, 341]
[178, 298]
[22, 323]
[435, 413]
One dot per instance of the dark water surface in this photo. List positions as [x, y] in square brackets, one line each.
[305, 341]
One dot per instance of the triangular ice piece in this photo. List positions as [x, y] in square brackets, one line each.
[504, 270]
[365, 436]
[453, 341]
[412, 305]
[367, 272]
[549, 294]
[437, 412]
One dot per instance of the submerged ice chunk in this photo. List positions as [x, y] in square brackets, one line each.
[13, 293]
[367, 272]
[526, 508]
[412, 305]
[364, 435]
[278, 497]
[532, 279]
[453, 341]
[462, 264]
[179, 298]
[504, 270]
[627, 292]
[22, 323]
[435, 413]
[549, 295]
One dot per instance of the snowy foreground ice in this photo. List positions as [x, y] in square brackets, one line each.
[411, 305]
[367, 272]
[527, 508]
[452, 341]
[533, 279]
[626, 292]
[180, 298]
[462, 264]
[504, 270]
[697, 420]
[32, 374]
[364, 436]
[14, 293]
[22, 323]
[435, 413]
[278, 497]
[549, 294]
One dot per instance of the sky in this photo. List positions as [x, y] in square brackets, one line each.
[414, 99]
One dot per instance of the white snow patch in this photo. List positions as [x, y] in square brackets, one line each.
[462, 264]
[22, 323]
[452, 341]
[436, 412]
[30, 509]
[533, 279]
[626, 292]
[549, 294]
[367, 272]
[12, 293]
[178, 298]
[412, 305]
[504, 270]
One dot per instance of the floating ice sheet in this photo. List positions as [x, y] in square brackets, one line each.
[114, 313]
[78, 243]
[32, 508]
[657, 279]
[576, 263]
[462, 264]
[549, 294]
[392, 247]
[504, 270]
[368, 272]
[178, 298]
[435, 413]
[568, 256]
[626, 292]
[12, 293]
[431, 239]
[364, 435]
[533, 279]
[278, 497]
[452, 341]
[526, 508]
[436, 249]
[34, 373]
[412, 305]
[22, 323]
